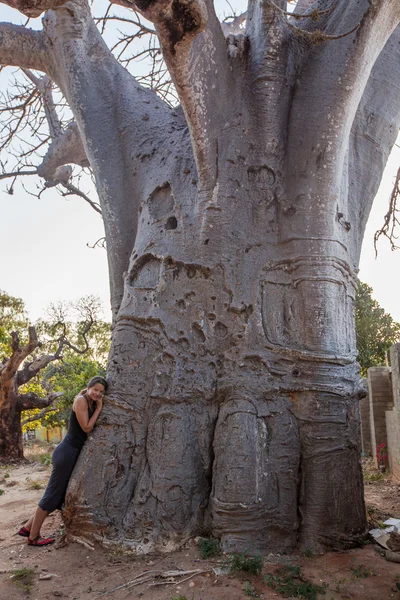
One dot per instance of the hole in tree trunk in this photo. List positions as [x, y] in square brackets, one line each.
[171, 223]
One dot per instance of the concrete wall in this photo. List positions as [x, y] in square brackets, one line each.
[380, 401]
[366, 446]
[393, 416]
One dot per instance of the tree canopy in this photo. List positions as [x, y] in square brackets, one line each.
[375, 329]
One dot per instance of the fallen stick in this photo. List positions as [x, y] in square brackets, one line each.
[131, 583]
[144, 578]
[177, 582]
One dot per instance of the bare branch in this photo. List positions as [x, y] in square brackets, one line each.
[65, 148]
[235, 26]
[18, 353]
[44, 86]
[30, 370]
[317, 36]
[21, 47]
[100, 243]
[17, 173]
[33, 8]
[391, 220]
[72, 190]
[32, 400]
[43, 412]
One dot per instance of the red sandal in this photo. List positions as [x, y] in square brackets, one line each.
[39, 541]
[24, 532]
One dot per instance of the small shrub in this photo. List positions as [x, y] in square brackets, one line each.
[2, 491]
[35, 485]
[246, 563]
[249, 590]
[308, 553]
[338, 584]
[372, 476]
[209, 547]
[361, 571]
[291, 584]
[45, 459]
[23, 578]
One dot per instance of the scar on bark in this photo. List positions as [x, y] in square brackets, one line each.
[180, 18]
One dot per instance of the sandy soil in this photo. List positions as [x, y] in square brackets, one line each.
[75, 573]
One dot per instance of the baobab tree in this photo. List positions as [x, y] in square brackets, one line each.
[234, 225]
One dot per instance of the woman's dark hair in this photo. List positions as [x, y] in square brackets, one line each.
[98, 379]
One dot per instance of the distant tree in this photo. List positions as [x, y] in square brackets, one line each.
[12, 317]
[375, 329]
[27, 356]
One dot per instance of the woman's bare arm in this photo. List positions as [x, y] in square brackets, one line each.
[80, 408]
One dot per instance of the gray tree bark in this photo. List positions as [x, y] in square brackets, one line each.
[234, 229]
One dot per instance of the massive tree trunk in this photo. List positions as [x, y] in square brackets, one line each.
[233, 229]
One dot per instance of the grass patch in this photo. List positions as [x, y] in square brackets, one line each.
[290, 583]
[35, 485]
[245, 563]
[179, 598]
[23, 578]
[371, 477]
[249, 590]
[361, 571]
[45, 459]
[209, 547]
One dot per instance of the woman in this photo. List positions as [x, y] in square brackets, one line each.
[85, 412]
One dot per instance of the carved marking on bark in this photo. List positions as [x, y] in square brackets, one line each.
[317, 289]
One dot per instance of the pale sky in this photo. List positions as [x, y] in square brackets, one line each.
[44, 257]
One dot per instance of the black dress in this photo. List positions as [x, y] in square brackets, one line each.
[64, 459]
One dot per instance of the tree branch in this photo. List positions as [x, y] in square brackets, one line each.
[391, 219]
[333, 89]
[66, 146]
[192, 39]
[33, 8]
[32, 400]
[44, 86]
[21, 47]
[373, 135]
[19, 353]
[17, 173]
[38, 416]
[234, 27]
[30, 370]
[74, 191]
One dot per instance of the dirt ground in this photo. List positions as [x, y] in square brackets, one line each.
[76, 573]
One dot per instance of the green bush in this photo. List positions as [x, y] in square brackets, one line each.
[290, 584]
[246, 563]
[209, 547]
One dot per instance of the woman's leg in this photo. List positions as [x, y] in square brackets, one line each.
[28, 524]
[36, 522]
